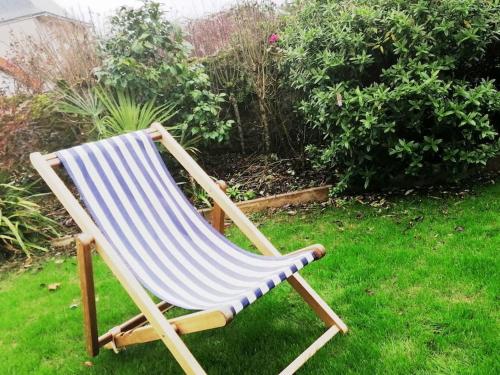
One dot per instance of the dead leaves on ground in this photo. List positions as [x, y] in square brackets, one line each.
[53, 286]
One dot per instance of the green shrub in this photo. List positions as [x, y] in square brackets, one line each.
[146, 55]
[22, 225]
[235, 193]
[398, 88]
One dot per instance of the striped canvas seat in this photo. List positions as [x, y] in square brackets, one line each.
[172, 250]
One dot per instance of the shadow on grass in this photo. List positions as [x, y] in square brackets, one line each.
[262, 339]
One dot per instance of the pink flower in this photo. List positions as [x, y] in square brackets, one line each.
[273, 38]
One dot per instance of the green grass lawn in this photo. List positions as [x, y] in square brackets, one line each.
[418, 285]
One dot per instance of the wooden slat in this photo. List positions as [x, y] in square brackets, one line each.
[318, 249]
[310, 351]
[201, 321]
[54, 161]
[168, 335]
[84, 257]
[196, 322]
[217, 212]
[136, 336]
[132, 323]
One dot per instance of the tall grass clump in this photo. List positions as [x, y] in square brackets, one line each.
[23, 228]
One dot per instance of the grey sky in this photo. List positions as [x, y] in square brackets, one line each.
[177, 9]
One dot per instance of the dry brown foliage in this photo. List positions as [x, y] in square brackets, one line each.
[245, 38]
[61, 51]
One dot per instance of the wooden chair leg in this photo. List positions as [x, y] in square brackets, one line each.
[312, 298]
[84, 256]
[217, 212]
[310, 351]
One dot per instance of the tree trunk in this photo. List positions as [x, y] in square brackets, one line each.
[265, 124]
[236, 110]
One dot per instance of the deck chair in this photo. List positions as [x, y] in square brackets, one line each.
[155, 241]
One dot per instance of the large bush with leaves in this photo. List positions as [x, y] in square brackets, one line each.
[145, 54]
[398, 88]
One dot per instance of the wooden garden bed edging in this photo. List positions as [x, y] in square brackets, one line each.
[316, 194]
[311, 195]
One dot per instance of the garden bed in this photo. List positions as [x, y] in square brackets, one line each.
[264, 175]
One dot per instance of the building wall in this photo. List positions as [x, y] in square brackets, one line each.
[43, 27]
[8, 84]
[10, 32]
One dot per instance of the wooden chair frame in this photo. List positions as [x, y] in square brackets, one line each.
[151, 324]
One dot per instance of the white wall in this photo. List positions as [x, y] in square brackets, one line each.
[15, 31]
[7, 84]
[39, 28]
[11, 32]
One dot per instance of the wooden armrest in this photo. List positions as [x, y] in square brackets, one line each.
[317, 249]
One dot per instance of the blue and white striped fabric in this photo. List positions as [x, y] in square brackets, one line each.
[172, 250]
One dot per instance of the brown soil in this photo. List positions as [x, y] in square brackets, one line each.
[264, 175]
